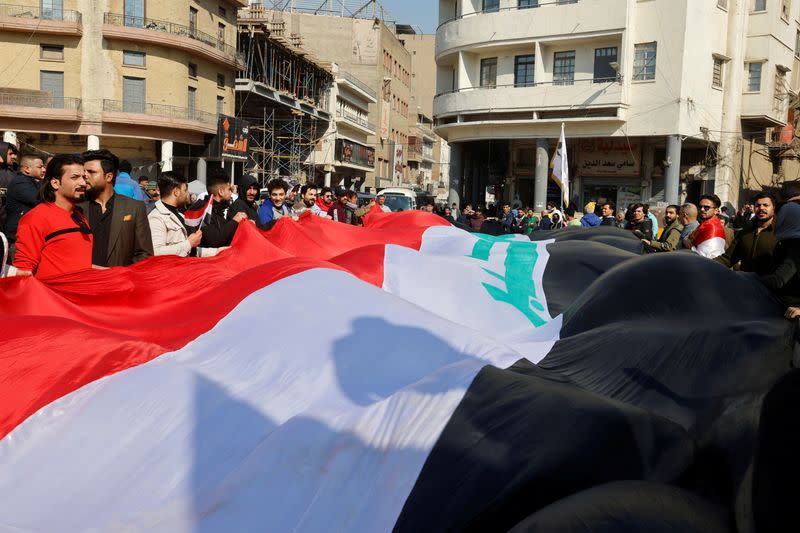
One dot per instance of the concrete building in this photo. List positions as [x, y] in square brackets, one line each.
[144, 78]
[362, 45]
[425, 146]
[655, 95]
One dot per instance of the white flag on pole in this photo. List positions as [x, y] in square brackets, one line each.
[561, 168]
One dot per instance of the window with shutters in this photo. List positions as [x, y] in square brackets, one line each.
[51, 9]
[133, 59]
[603, 69]
[53, 83]
[133, 95]
[717, 72]
[134, 13]
[51, 52]
[564, 68]
[644, 61]
[192, 21]
[489, 72]
[191, 102]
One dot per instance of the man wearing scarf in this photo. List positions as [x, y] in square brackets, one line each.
[324, 201]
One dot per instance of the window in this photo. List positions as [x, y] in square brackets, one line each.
[52, 9]
[716, 74]
[192, 70]
[221, 33]
[52, 52]
[220, 80]
[524, 67]
[797, 44]
[753, 77]
[490, 6]
[133, 95]
[722, 3]
[53, 83]
[525, 4]
[564, 68]
[786, 7]
[133, 59]
[222, 12]
[604, 70]
[759, 5]
[134, 13]
[191, 102]
[192, 21]
[644, 62]
[489, 72]
[220, 105]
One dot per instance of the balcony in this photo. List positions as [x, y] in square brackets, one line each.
[551, 19]
[187, 38]
[153, 119]
[33, 106]
[356, 120]
[357, 84]
[28, 19]
[588, 100]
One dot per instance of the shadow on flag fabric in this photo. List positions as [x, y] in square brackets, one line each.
[194, 217]
[403, 376]
[561, 168]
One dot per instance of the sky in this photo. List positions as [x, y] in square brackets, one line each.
[421, 14]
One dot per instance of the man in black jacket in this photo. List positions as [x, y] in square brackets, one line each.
[753, 247]
[8, 171]
[22, 196]
[248, 195]
[219, 227]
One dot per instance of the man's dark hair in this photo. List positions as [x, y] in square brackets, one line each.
[351, 194]
[325, 190]
[646, 208]
[169, 181]
[677, 208]
[28, 158]
[611, 205]
[108, 161]
[551, 205]
[54, 171]
[142, 178]
[762, 195]
[713, 198]
[790, 189]
[275, 184]
[305, 188]
[215, 177]
[505, 204]
[125, 166]
[570, 212]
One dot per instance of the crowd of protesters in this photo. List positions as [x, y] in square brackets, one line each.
[70, 212]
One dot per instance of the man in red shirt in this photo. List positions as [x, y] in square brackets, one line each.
[54, 237]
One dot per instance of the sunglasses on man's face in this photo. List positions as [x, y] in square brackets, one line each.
[706, 207]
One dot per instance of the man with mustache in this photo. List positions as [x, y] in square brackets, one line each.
[753, 247]
[54, 237]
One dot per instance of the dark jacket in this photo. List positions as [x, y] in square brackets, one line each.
[129, 239]
[784, 280]
[7, 174]
[21, 197]
[338, 212]
[669, 240]
[218, 227]
[754, 250]
[645, 226]
[241, 205]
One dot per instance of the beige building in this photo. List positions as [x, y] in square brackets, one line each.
[371, 52]
[655, 95]
[145, 78]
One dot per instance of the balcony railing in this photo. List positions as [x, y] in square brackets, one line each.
[531, 5]
[33, 12]
[557, 83]
[114, 19]
[358, 83]
[39, 100]
[353, 117]
[159, 110]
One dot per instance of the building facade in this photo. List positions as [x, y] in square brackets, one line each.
[144, 78]
[655, 95]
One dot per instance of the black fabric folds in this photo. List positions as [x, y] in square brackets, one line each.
[667, 405]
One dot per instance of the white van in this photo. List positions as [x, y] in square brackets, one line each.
[402, 199]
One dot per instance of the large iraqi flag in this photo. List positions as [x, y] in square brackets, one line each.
[404, 376]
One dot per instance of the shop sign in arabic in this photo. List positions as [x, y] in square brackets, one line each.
[610, 157]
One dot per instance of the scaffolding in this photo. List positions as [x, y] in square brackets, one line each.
[287, 117]
[283, 147]
[363, 9]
